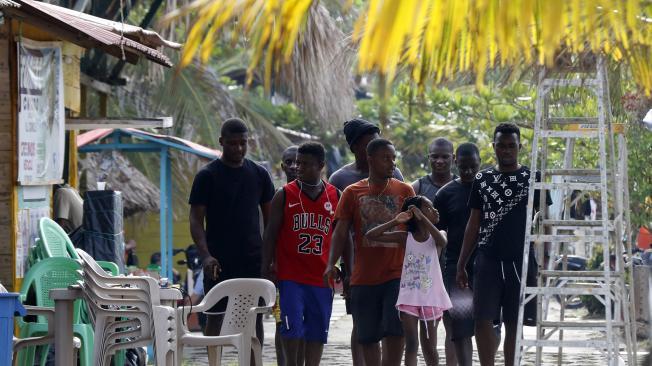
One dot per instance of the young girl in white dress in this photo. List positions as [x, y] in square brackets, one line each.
[422, 295]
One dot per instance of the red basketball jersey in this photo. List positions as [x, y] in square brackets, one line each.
[304, 240]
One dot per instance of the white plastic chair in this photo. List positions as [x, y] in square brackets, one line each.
[131, 304]
[239, 324]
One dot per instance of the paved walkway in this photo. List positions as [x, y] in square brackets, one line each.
[338, 352]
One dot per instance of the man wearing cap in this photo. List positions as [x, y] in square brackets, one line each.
[358, 133]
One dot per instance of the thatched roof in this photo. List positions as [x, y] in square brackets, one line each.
[139, 194]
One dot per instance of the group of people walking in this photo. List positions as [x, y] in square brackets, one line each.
[445, 247]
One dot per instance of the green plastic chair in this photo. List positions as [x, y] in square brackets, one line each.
[45, 275]
[54, 240]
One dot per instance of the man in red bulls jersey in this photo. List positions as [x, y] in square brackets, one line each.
[296, 245]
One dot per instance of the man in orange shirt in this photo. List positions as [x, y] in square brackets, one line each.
[377, 270]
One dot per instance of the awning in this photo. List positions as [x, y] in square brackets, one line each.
[171, 141]
[89, 31]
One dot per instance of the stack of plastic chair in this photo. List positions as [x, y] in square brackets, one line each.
[127, 313]
[45, 275]
[239, 324]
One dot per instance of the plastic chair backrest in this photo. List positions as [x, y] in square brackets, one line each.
[92, 268]
[243, 294]
[48, 274]
[55, 241]
[109, 267]
[70, 248]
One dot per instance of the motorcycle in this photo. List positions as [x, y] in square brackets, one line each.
[193, 264]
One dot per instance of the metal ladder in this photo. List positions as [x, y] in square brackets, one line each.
[614, 334]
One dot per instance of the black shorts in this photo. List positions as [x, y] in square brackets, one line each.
[374, 311]
[497, 286]
[251, 270]
[461, 328]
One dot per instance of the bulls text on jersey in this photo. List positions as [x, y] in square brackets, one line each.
[302, 221]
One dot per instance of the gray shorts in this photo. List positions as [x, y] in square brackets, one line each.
[374, 311]
[461, 328]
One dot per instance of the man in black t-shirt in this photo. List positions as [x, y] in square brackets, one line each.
[498, 203]
[451, 202]
[224, 215]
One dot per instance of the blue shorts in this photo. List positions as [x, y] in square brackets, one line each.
[305, 311]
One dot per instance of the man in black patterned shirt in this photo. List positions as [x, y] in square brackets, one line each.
[498, 203]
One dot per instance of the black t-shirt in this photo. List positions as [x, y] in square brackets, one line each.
[502, 198]
[451, 202]
[232, 197]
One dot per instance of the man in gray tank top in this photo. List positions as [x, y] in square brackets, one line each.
[440, 157]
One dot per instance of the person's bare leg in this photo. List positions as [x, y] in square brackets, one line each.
[497, 335]
[394, 346]
[383, 348]
[301, 355]
[278, 345]
[371, 353]
[509, 347]
[449, 350]
[313, 351]
[291, 348]
[260, 334]
[463, 347]
[486, 339]
[428, 340]
[356, 349]
[411, 332]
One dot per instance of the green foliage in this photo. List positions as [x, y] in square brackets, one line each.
[639, 143]
[467, 114]
[285, 115]
[461, 115]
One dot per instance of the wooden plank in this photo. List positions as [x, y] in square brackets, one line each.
[5, 124]
[5, 233]
[5, 177]
[93, 123]
[6, 156]
[5, 206]
[5, 141]
[6, 260]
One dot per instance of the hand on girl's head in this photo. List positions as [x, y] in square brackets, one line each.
[416, 212]
[404, 217]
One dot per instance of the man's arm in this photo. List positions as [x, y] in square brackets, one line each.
[272, 228]
[338, 242]
[198, 233]
[468, 245]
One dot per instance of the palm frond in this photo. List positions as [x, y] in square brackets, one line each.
[436, 39]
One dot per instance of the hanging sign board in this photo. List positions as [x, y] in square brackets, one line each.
[41, 115]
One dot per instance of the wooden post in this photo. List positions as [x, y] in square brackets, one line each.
[7, 144]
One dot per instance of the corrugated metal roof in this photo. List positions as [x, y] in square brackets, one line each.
[8, 3]
[91, 31]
